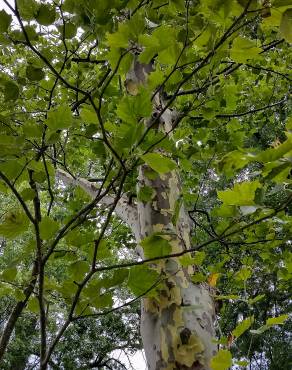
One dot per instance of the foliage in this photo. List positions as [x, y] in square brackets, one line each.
[67, 259]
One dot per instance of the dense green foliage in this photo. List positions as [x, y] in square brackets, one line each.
[222, 66]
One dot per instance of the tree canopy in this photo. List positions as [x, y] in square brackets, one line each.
[76, 125]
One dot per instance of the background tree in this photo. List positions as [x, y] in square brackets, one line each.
[161, 125]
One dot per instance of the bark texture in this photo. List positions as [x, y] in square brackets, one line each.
[177, 326]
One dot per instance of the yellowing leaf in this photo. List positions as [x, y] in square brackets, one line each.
[212, 279]
[222, 360]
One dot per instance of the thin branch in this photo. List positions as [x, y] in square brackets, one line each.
[211, 53]
[199, 246]
[88, 276]
[49, 185]
[252, 111]
[18, 196]
[88, 60]
[38, 217]
[83, 212]
[98, 314]
[16, 312]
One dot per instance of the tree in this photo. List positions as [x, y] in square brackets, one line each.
[146, 153]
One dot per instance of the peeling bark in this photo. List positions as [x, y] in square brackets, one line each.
[176, 326]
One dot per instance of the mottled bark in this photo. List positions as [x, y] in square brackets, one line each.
[176, 326]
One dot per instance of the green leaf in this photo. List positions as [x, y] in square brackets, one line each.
[256, 299]
[145, 194]
[33, 305]
[119, 39]
[244, 49]
[48, 227]
[243, 326]
[68, 30]
[159, 163]
[261, 330]
[141, 279]
[272, 154]
[269, 323]
[11, 91]
[34, 73]
[177, 207]
[27, 194]
[286, 25]
[5, 21]
[242, 363]
[155, 245]
[118, 278]
[197, 259]
[59, 119]
[230, 296]
[242, 194]
[277, 320]
[68, 288]
[88, 116]
[133, 108]
[45, 15]
[222, 360]
[18, 294]
[9, 274]
[280, 3]
[155, 79]
[198, 277]
[15, 223]
[103, 250]
[27, 9]
[102, 301]
[244, 273]
[78, 269]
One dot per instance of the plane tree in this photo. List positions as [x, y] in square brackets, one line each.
[146, 155]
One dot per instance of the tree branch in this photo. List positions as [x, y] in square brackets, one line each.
[125, 211]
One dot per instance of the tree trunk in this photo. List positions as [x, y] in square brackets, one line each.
[177, 327]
